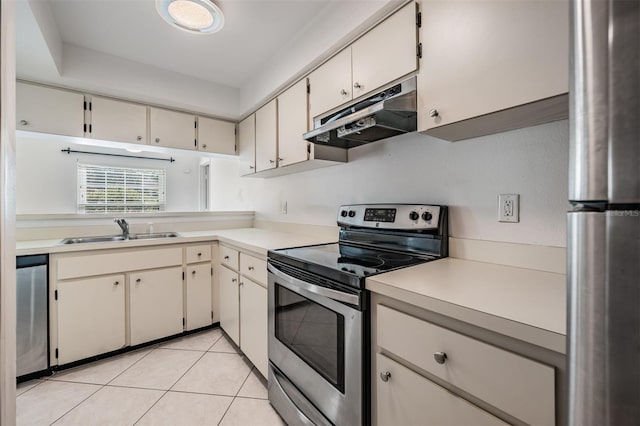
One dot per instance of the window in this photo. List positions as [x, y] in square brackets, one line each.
[104, 189]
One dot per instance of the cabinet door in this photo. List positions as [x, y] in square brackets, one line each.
[230, 304]
[331, 84]
[253, 323]
[155, 300]
[292, 124]
[385, 53]
[267, 136]
[46, 110]
[118, 121]
[216, 136]
[510, 53]
[172, 129]
[407, 398]
[91, 317]
[198, 281]
[247, 145]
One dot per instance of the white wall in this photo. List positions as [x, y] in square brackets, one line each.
[466, 175]
[46, 177]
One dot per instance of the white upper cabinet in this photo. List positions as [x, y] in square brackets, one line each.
[331, 84]
[385, 53]
[292, 124]
[216, 136]
[47, 110]
[247, 145]
[118, 121]
[267, 136]
[482, 56]
[172, 129]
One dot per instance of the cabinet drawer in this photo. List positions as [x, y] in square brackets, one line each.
[253, 268]
[201, 253]
[407, 398]
[117, 261]
[229, 257]
[516, 385]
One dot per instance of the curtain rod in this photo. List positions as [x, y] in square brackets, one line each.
[70, 151]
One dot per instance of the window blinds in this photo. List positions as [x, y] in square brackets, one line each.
[105, 189]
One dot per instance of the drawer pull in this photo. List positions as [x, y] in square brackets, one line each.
[250, 268]
[384, 376]
[116, 283]
[233, 280]
[193, 272]
[240, 283]
[226, 258]
[199, 254]
[139, 280]
[440, 357]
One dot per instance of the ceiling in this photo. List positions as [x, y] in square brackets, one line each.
[124, 48]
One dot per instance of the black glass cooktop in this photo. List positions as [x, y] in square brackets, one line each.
[337, 258]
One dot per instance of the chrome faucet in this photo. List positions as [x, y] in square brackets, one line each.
[124, 226]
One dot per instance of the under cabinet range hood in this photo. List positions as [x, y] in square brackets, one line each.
[387, 113]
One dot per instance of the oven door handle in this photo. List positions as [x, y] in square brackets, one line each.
[315, 289]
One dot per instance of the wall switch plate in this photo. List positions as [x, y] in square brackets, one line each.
[283, 207]
[509, 208]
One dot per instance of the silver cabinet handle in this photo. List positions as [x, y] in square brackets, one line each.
[193, 272]
[280, 159]
[139, 280]
[24, 122]
[344, 92]
[116, 283]
[250, 268]
[157, 140]
[204, 146]
[434, 113]
[139, 138]
[226, 258]
[199, 254]
[440, 357]
[240, 283]
[384, 376]
[357, 85]
[252, 167]
[233, 280]
[272, 161]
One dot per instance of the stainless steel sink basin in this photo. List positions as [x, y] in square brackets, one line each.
[109, 238]
[155, 235]
[103, 239]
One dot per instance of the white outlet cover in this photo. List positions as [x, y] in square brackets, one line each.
[509, 208]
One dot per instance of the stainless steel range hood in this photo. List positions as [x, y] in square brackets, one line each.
[388, 113]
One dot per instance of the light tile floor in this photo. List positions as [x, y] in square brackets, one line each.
[200, 379]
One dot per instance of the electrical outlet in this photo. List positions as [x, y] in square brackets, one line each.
[283, 207]
[509, 208]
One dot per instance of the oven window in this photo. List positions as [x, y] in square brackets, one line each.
[313, 332]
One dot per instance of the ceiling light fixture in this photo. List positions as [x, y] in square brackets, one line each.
[194, 16]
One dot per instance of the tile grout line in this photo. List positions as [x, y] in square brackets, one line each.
[31, 388]
[126, 369]
[78, 404]
[236, 395]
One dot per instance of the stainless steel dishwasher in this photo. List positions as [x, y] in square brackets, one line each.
[32, 325]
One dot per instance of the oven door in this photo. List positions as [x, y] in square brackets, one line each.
[315, 350]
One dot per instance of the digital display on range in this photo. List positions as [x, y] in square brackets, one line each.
[380, 215]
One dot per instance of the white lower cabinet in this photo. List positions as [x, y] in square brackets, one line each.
[407, 398]
[91, 317]
[230, 304]
[155, 300]
[198, 294]
[253, 323]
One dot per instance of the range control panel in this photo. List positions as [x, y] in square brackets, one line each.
[390, 216]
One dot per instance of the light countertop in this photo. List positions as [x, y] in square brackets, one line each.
[522, 303]
[255, 240]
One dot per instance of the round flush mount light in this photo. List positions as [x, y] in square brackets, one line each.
[194, 16]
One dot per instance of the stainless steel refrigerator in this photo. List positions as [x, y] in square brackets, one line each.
[604, 224]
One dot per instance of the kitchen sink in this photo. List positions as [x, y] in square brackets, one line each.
[156, 235]
[109, 238]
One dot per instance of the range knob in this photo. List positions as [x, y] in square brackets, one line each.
[343, 213]
[427, 216]
[352, 213]
[414, 216]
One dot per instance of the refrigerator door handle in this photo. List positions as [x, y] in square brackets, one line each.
[589, 99]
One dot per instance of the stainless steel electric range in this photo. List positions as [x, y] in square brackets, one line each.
[318, 308]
